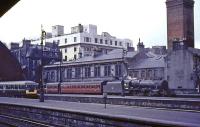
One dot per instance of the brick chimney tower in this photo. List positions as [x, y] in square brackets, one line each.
[180, 21]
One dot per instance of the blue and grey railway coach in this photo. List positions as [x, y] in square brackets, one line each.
[18, 88]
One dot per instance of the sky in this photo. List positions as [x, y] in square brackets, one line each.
[133, 19]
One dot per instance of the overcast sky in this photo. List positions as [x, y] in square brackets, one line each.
[121, 18]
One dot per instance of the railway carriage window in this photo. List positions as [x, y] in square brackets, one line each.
[16, 87]
[11, 87]
[23, 87]
[8, 87]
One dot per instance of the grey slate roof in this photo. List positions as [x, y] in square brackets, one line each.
[194, 51]
[151, 62]
[114, 54]
[131, 54]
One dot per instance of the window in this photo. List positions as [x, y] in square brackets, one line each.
[75, 39]
[65, 58]
[74, 49]
[58, 41]
[65, 50]
[143, 74]
[96, 40]
[120, 43]
[48, 76]
[135, 74]
[110, 42]
[101, 41]
[107, 70]
[115, 43]
[87, 72]
[155, 74]
[75, 57]
[118, 70]
[168, 77]
[149, 74]
[52, 75]
[77, 72]
[68, 73]
[97, 71]
[128, 45]
[65, 40]
[106, 41]
[87, 39]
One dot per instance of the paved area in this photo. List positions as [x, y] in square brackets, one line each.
[129, 112]
[127, 97]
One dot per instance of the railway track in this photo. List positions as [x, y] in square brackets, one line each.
[12, 121]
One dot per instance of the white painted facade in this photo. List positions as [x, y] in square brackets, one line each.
[82, 43]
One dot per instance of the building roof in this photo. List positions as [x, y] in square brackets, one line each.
[114, 54]
[194, 51]
[153, 61]
[131, 54]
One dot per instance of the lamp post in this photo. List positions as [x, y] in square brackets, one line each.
[60, 70]
[43, 34]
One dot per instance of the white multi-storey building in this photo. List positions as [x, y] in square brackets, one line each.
[83, 40]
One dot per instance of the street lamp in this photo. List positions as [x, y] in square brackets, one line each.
[60, 70]
[43, 35]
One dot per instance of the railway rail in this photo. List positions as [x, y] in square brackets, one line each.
[14, 121]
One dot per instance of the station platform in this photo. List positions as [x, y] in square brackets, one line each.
[125, 114]
[175, 103]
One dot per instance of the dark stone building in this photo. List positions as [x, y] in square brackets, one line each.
[180, 21]
[10, 69]
[30, 56]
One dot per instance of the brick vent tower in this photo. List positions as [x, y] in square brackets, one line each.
[180, 21]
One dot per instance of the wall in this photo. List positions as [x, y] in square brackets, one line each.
[180, 69]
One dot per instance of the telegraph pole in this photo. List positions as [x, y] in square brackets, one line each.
[43, 35]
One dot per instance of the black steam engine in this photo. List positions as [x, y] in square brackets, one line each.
[137, 87]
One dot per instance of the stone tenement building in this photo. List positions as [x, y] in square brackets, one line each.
[83, 40]
[180, 21]
[29, 56]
